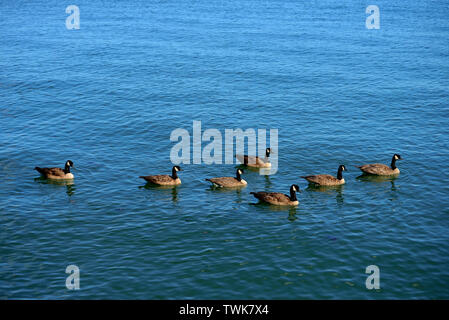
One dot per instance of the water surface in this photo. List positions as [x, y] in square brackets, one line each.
[108, 96]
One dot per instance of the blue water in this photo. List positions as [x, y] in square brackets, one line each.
[108, 95]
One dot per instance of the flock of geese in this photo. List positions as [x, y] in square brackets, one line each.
[274, 198]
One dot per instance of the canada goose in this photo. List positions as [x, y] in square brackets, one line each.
[327, 179]
[382, 169]
[165, 179]
[229, 182]
[57, 173]
[277, 198]
[254, 161]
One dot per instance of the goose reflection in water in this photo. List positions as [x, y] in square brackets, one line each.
[70, 184]
[379, 179]
[236, 190]
[171, 189]
[261, 171]
[292, 210]
[330, 190]
[268, 183]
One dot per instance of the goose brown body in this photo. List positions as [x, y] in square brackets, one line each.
[380, 169]
[277, 198]
[324, 180]
[255, 161]
[229, 182]
[164, 179]
[57, 173]
[327, 179]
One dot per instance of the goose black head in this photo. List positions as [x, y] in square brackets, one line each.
[174, 171]
[293, 189]
[238, 173]
[68, 164]
[397, 156]
[267, 152]
[341, 168]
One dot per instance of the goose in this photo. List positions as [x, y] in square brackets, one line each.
[277, 198]
[57, 173]
[165, 179]
[380, 169]
[254, 161]
[229, 182]
[327, 179]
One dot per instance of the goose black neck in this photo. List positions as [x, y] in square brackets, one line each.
[67, 168]
[393, 163]
[174, 173]
[293, 194]
[340, 173]
[238, 177]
